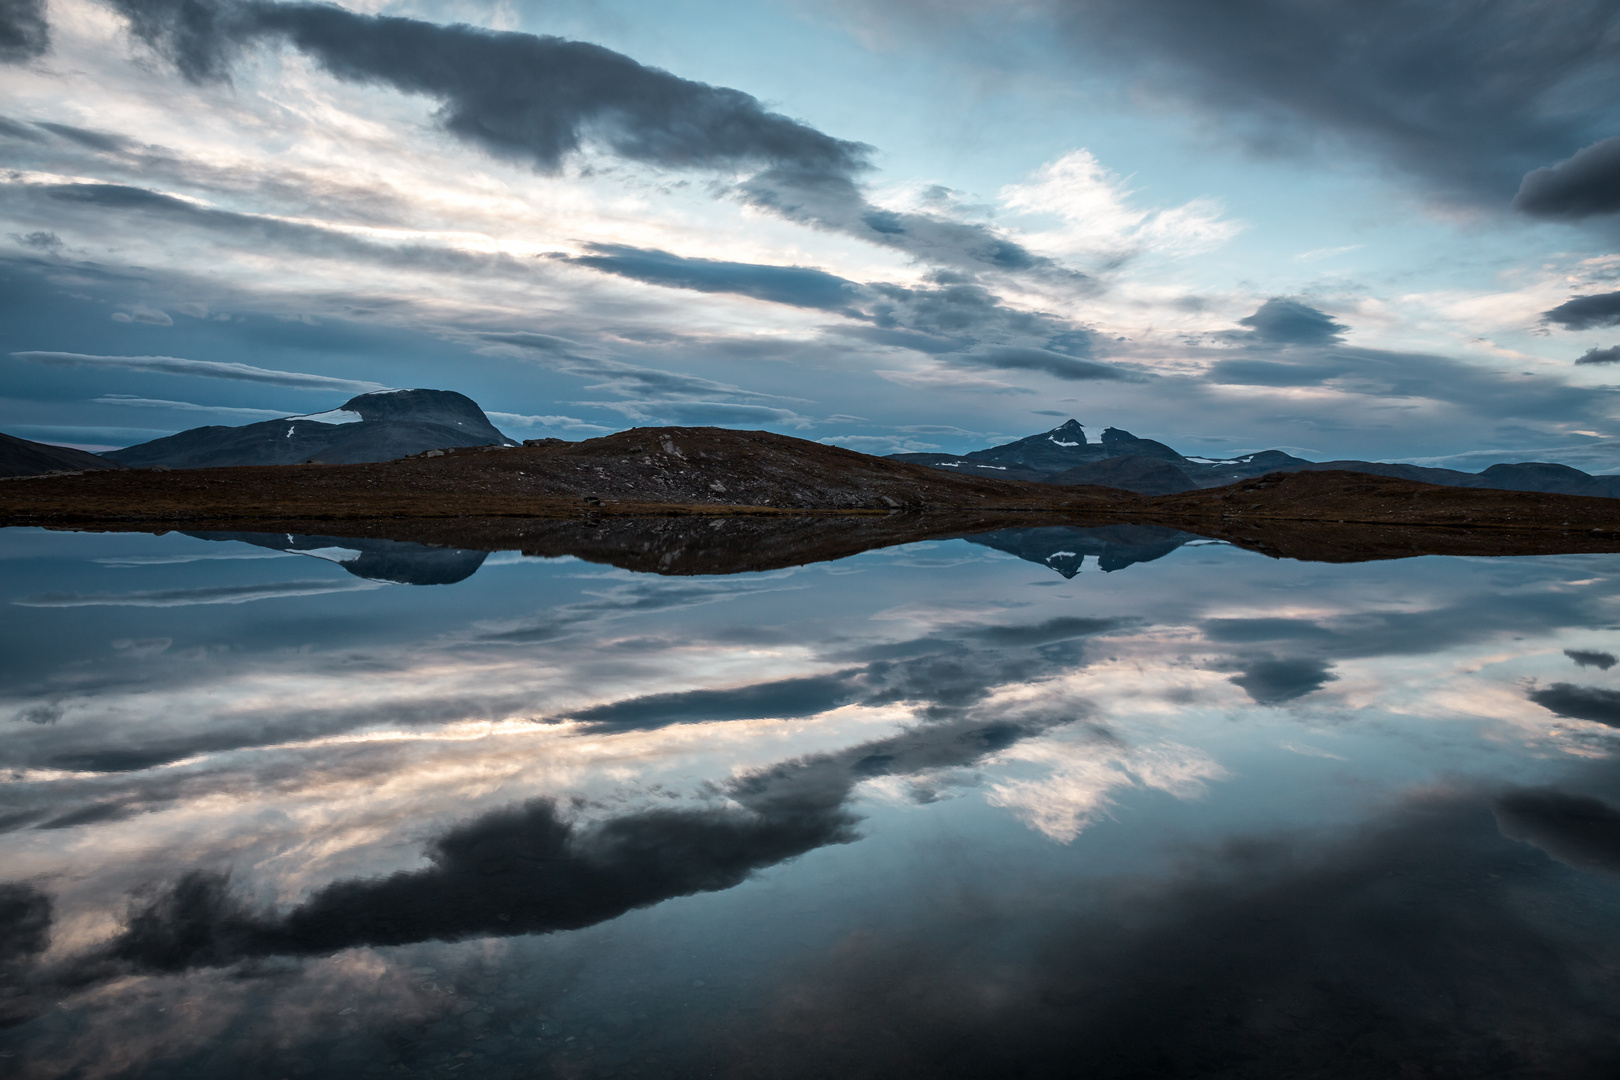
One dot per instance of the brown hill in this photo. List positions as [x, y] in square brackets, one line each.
[23, 457]
[714, 472]
[645, 470]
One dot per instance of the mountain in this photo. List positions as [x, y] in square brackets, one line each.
[1133, 472]
[1064, 548]
[21, 457]
[1121, 460]
[382, 426]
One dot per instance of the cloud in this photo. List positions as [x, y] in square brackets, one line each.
[1586, 312]
[782, 700]
[1271, 681]
[953, 314]
[39, 240]
[1281, 321]
[11, 129]
[795, 285]
[559, 423]
[218, 594]
[527, 870]
[650, 385]
[25, 921]
[1098, 220]
[1591, 658]
[1466, 97]
[1610, 355]
[544, 100]
[185, 406]
[1291, 344]
[1012, 358]
[95, 140]
[717, 413]
[142, 314]
[1585, 185]
[24, 33]
[1592, 703]
[1577, 830]
[208, 369]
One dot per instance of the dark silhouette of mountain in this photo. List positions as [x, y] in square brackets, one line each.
[372, 427]
[1063, 548]
[21, 457]
[1121, 460]
[1134, 472]
[395, 561]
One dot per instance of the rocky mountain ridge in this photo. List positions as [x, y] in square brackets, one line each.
[379, 426]
[1064, 455]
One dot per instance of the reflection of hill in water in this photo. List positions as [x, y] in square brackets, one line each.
[396, 561]
[681, 546]
[1063, 548]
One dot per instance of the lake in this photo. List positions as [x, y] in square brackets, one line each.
[1058, 802]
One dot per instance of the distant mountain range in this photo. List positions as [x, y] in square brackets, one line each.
[382, 426]
[393, 424]
[1065, 455]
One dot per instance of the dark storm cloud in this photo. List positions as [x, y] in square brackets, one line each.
[543, 100]
[1585, 185]
[1292, 344]
[527, 869]
[1577, 830]
[1281, 321]
[783, 699]
[944, 672]
[538, 99]
[1013, 358]
[795, 285]
[956, 318]
[1580, 702]
[1586, 312]
[514, 871]
[1282, 658]
[1469, 96]
[24, 33]
[1591, 658]
[1272, 681]
[25, 921]
[1611, 355]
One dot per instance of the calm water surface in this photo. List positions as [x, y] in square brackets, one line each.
[304, 807]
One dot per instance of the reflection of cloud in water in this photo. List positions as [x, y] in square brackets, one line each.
[218, 594]
[1080, 775]
[528, 869]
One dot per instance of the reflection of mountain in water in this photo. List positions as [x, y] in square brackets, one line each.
[1064, 549]
[393, 561]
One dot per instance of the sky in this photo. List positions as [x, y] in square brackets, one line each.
[1342, 229]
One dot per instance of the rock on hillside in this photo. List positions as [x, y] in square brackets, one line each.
[372, 427]
[22, 457]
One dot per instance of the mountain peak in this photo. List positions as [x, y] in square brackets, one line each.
[1069, 433]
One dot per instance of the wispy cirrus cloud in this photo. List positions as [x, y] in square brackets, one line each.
[208, 369]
